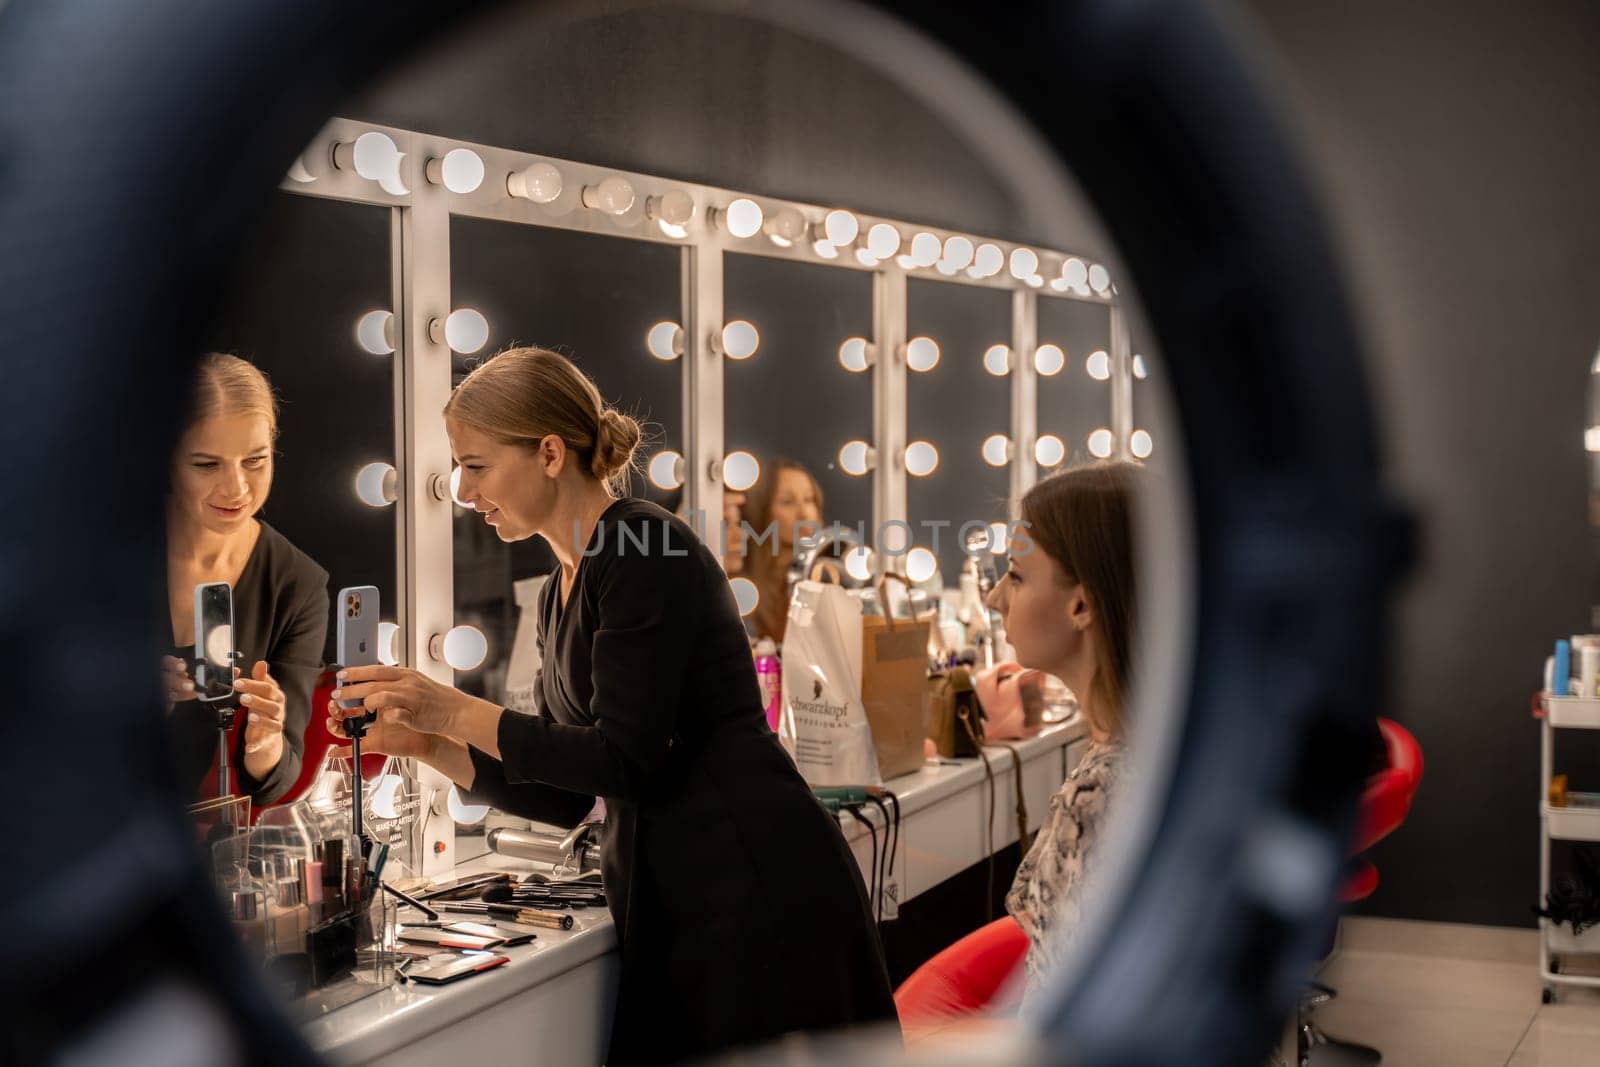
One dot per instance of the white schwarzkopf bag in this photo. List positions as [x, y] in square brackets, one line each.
[824, 724]
[522, 672]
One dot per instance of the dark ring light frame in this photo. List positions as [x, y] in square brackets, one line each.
[137, 142]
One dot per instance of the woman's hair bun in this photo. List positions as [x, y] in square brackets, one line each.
[614, 444]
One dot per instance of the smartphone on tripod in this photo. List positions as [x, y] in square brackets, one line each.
[213, 642]
[357, 630]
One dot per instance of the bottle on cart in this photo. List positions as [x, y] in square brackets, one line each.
[769, 676]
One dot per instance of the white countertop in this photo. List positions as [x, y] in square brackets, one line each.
[944, 808]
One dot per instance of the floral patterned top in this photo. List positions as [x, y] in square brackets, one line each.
[1046, 896]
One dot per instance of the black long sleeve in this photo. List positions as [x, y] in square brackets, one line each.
[648, 604]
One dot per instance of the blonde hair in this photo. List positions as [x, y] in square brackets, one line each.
[523, 395]
[228, 385]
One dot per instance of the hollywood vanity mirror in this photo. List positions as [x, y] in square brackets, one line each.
[903, 367]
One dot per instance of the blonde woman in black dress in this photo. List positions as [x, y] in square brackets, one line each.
[740, 913]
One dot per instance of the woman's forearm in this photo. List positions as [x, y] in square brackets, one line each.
[476, 722]
[450, 758]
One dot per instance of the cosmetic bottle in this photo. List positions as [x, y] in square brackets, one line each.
[246, 911]
[769, 676]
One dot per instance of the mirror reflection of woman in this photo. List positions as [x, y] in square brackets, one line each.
[221, 476]
[787, 498]
[740, 912]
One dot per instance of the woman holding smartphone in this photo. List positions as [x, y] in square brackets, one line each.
[221, 476]
[740, 912]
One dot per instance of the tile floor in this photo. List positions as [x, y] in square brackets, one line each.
[1407, 991]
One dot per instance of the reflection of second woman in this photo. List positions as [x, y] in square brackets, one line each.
[788, 499]
[221, 475]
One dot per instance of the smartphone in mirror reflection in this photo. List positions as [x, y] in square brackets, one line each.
[357, 609]
[213, 641]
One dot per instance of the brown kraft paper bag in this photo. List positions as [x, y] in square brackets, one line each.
[894, 688]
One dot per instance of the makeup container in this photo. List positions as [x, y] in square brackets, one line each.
[246, 911]
[1588, 668]
[286, 911]
[313, 892]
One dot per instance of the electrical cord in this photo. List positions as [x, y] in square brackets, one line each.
[891, 837]
[874, 897]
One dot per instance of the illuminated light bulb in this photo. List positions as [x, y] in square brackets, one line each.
[1033, 281]
[786, 227]
[463, 813]
[1099, 278]
[742, 218]
[665, 340]
[997, 538]
[906, 262]
[883, 240]
[1049, 450]
[997, 450]
[740, 339]
[671, 230]
[989, 260]
[997, 360]
[921, 565]
[538, 182]
[740, 470]
[455, 488]
[856, 458]
[1098, 365]
[384, 794]
[958, 252]
[1049, 359]
[922, 458]
[375, 485]
[1024, 263]
[922, 354]
[1059, 285]
[1075, 273]
[841, 227]
[1591, 439]
[946, 269]
[746, 595]
[865, 257]
[666, 470]
[464, 648]
[825, 250]
[1140, 444]
[460, 171]
[1100, 442]
[672, 208]
[373, 156]
[858, 563]
[613, 195]
[855, 354]
[466, 330]
[389, 644]
[1139, 370]
[219, 644]
[926, 249]
[375, 332]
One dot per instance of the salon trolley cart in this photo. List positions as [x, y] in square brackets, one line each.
[1579, 820]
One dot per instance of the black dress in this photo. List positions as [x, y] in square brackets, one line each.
[280, 614]
[740, 912]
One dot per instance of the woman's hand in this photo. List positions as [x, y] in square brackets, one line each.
[385, 735]
[176, 685]
[412, 698]
[263, 703]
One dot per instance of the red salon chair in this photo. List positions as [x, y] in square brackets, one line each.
[962, 979]
[1384, 806]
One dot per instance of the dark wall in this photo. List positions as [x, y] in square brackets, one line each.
[314, 268]
[1458, 146]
